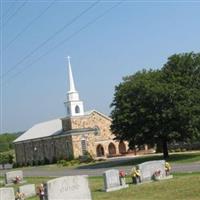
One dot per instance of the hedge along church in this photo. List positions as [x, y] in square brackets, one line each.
[69, 137]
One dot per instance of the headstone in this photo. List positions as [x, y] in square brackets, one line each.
[112, 181]
[28, 190]
[148, 169]
[7, 194]
[11, 176]
[68, 187]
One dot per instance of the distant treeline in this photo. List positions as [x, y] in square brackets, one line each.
[6, 140]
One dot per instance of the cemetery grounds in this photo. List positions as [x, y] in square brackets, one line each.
[184, 186]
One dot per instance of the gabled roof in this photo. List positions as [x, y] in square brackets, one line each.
[99, 113]
[44, 129]
[51, 128]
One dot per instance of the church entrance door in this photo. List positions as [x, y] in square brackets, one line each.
[122, 148]
[111, 149]
[100, 151]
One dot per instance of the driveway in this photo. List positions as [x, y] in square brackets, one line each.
[97, 169]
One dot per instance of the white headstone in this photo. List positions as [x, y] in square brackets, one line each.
[7, 194]
[147, 169]
[68, 187]
[10, 176]
[112, 180]
[28, 190]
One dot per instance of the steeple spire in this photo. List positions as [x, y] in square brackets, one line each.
[71, 79]
[73, 104]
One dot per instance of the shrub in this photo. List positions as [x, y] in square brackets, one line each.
[6, 158]
[39, 162]
[15, 165]
[65, 163]
[61, 162]
[87, 157]
[54, 160]
[177, 150]
[183, 150]
[73, 162]
[46, 161]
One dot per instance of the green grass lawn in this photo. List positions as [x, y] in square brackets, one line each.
[184, 186]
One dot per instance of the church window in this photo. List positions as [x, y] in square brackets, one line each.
[77, 109]
[68, 110]
[97, 130]
[67, 149]
[84, 146]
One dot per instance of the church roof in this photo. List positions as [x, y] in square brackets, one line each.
[53, 128]
[44, 129]
[95, 111]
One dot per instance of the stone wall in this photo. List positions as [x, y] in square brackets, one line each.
[103, 136]
[98, 141]
[43, 150]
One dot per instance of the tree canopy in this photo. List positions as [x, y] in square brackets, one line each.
[6, 140]
[159, 106]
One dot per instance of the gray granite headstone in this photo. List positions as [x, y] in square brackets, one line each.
[68, 187]
[112, 180]
[28, 190]
[147, 169]
[10, 176]
[7, 194]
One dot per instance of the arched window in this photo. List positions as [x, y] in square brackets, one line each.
[84, 146]
[111, 149]
[122, 148]
[68, 110]
[77, 109]
[97, 130]
[100, 151]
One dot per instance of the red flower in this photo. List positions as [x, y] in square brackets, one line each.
[122, 173]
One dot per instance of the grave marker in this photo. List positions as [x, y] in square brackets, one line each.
[112, 181]
[12, 175]
[150, 168]
[7, 194]
[28, 190]
[68, 187]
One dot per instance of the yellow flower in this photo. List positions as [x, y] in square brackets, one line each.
[167, 166]
[135, 172]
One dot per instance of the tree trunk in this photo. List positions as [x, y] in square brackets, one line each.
[165, 150]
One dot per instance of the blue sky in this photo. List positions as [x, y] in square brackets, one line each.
[131, 36]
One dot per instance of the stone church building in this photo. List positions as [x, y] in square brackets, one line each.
[69, 137]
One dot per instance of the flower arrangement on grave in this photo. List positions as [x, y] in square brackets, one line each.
[20, 196]
[16, 180]
[136, 175]
[41, 191]
[135, 172]
[167, 168]
[157, 175]
[122, 174]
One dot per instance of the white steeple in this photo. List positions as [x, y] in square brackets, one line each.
[71, 79]
[73, 104]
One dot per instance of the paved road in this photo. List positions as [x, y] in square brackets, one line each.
[98, 169]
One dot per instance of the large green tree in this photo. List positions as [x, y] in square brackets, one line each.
[158, 107]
